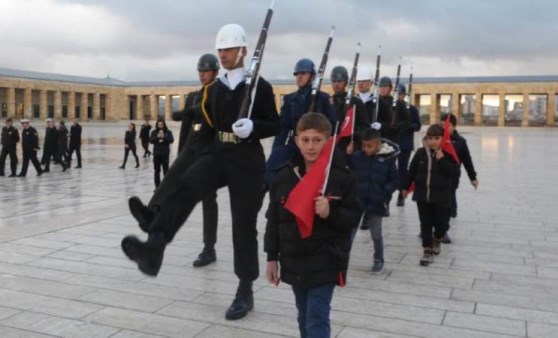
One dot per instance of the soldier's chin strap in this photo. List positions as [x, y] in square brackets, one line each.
[239, 57]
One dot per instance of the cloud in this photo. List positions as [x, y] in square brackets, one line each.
[161, 40]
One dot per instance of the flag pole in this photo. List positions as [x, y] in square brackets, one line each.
[328, 169]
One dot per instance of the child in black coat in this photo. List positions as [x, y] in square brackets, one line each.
[312, 265]
[433, 172]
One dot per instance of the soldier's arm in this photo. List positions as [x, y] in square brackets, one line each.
[264, 112]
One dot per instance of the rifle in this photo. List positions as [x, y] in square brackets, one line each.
[396, 95]
[316, 85]
[254, 68]
[352, 82]
[410, 91]
[376, 85]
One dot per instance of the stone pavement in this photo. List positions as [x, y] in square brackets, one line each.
[62, 272]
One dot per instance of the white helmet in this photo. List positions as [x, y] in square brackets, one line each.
[363, 74]
[230, 36]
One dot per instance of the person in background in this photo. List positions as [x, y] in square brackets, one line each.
[161, 137]
[130, 145]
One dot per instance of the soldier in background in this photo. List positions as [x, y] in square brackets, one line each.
[75, 143]
[10, 138]
[30, 146]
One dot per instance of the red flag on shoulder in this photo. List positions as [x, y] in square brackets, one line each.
[347, 127]
[447, 145]
[300, 201]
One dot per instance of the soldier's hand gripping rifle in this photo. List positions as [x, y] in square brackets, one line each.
[317, 84]
[376, 98]
[253, 72]
[351, 91]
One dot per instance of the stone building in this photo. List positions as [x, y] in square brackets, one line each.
[498, 101]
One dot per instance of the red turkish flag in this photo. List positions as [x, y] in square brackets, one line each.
[348, 124]
[447, 145]
[300, 201]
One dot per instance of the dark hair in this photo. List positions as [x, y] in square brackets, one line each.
[452, 118]
[370, 134]
[62, 123]
[133, 126]
[315, 121]
[161, 120]
[435, 130]
[9, 119]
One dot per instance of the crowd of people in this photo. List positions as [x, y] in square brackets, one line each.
[59, 146]
[218, 149]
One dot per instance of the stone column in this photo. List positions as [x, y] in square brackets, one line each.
[455, 105]
[28, 103]
[11, 101]
[108, 107]
[43, 104]
[83, 106]
[551, 107]
[434, 108]
[140, 114]
[502, 110]
[168, 107]
[154, 106]
[478, 109]
[57, 105]
[71, 105]
[526, 104]
[182, 102]
[96, 106]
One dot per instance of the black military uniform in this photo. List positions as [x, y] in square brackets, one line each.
[10, 138]
[144, 137]
[63, 146]
[362, 120]
[50, 148]
[30, 145]
[75, 143]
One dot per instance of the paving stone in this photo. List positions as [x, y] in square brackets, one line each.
[9, 332]
[43, 287]
[544, 317]
[537, 330]
[485, 323]
[56, 326]
[126, 300]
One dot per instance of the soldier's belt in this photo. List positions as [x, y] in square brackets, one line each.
[225, 137]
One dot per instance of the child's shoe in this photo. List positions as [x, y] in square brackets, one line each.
[377, 268]
[427, 257]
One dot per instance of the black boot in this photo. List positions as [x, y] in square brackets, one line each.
[400, 200]
[148, 255]
[242, 303]
[141, 213]
[206, 257]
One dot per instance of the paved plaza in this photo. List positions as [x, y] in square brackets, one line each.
[62, 272]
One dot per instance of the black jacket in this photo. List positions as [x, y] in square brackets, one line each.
[144, 132]
[10, 138]
[462, 150]
[51, 140]
[407, 134]
[324, 256]
[161, 146]
[62, 139]
[130, 139]
[362, 119]
[29, 139]
[434, 185]
[75, 135]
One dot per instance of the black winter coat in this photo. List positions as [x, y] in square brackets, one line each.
[75, 135]
[377, 178]
[407, 134]
[144, 132]
[130, 139]
[29, 139]
[392, 124]
[323, 257]
[462, 150]
[62, 139]
[161, 146]
[434, 185]
[10, 138]
[51, 140]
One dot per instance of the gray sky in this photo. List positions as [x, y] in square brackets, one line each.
[162, 39]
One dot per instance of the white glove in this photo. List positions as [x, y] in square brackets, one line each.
[243, 127]
[376, 125]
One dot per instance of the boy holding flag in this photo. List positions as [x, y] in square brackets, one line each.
[313, 208]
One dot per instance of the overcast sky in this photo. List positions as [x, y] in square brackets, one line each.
[158, 40]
